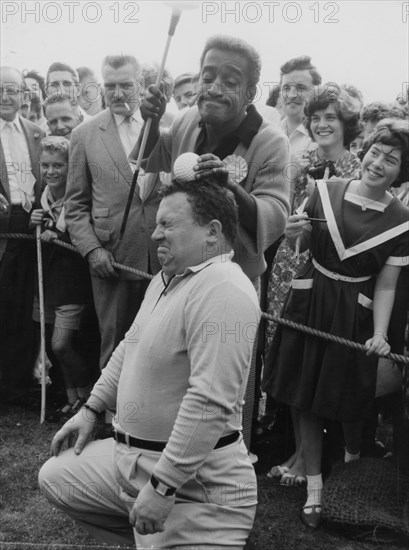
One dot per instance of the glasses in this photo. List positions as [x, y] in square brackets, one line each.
[10, 89]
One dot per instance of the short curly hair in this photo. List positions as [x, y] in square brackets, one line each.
[378, 110]
[347, 107]
[395, 133]
[237, 45]
[209, 199]
[55, 143]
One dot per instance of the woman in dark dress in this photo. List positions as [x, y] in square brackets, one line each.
[332, 119]
[346, 288]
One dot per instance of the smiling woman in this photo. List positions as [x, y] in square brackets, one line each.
[355, 260]
[332, 120]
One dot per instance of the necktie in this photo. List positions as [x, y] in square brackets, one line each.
[19, 164]
[128, 125]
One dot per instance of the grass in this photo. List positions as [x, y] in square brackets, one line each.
[29, 522]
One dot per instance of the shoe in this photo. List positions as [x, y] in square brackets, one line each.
[277, 472]
[313, 519]
[292, 480]
[62, 414]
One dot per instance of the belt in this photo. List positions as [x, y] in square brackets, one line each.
[160, 445]
[337, 276]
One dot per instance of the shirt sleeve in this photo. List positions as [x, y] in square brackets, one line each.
[400, 254]
[78, 198]
[268, 184]
[104, 393]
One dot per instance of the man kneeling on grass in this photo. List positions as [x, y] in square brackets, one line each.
[177, 470]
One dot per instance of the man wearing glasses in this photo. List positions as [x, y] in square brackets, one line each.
[20, 186]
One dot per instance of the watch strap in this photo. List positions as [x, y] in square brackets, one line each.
[162, 488]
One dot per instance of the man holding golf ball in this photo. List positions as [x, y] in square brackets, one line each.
[228, 135]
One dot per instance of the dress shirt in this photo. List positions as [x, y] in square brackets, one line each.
[18, 161]
[181, 371]
[299, 138]
[129, 129]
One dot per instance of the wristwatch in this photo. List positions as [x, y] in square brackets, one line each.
[161, 488]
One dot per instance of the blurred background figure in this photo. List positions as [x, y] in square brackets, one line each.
[297, 79]
[275, 100]
[34, 96]
[184, 92]
[63, 79]
[373, 112]
[150, 73]
[90, 97]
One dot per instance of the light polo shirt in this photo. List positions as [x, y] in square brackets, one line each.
[181, 371]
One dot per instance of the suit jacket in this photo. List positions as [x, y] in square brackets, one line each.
[99, 180]
[267, 157]
[34, 135]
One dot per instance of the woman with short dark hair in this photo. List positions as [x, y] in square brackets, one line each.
[333, 122]
[358, 242]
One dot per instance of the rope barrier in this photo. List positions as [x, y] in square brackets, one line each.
[330, 337]
[26, 236]
[272, 318]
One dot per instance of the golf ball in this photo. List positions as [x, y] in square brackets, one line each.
[183, 166]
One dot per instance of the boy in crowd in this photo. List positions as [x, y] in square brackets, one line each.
[67, 288]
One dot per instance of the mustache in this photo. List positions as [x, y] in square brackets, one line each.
[213, 99]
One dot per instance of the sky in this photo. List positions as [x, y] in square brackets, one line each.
[364, 43]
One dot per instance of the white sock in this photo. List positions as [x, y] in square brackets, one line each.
[349, 457]
[314, 491]
[72, 395]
